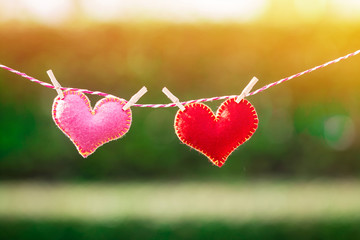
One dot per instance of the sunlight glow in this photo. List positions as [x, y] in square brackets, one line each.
[104, 10]
[54, 12]
[10, 10]
[311, 10]
[347, 9]
[180, 10]
[49, 11]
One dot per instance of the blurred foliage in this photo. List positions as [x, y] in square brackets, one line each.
[295, 138]
[35, 229]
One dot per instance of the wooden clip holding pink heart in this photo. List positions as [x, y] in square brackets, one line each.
[90, 128]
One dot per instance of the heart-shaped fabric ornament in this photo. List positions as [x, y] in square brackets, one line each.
[216, 135]
[90, 128]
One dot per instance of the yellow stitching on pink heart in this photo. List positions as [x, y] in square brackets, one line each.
[87, 102]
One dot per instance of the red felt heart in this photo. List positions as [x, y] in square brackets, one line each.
[216, 136]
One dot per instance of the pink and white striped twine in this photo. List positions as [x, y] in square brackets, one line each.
[48, 85]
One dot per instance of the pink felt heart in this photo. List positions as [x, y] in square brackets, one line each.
[89, 129]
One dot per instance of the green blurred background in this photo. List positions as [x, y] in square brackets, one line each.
[297, 177]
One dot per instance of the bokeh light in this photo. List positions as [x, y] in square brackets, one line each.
[339, 132]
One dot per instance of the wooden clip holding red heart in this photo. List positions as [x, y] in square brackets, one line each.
[216, 135]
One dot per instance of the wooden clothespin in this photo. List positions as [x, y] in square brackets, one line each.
[135, 98]
[173, 98]
[56, 84]
[247, 89]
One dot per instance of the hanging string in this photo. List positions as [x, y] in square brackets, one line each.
[48, 85]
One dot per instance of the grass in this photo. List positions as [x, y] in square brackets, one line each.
[278, 210]
[175, 202]
[145, 230]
